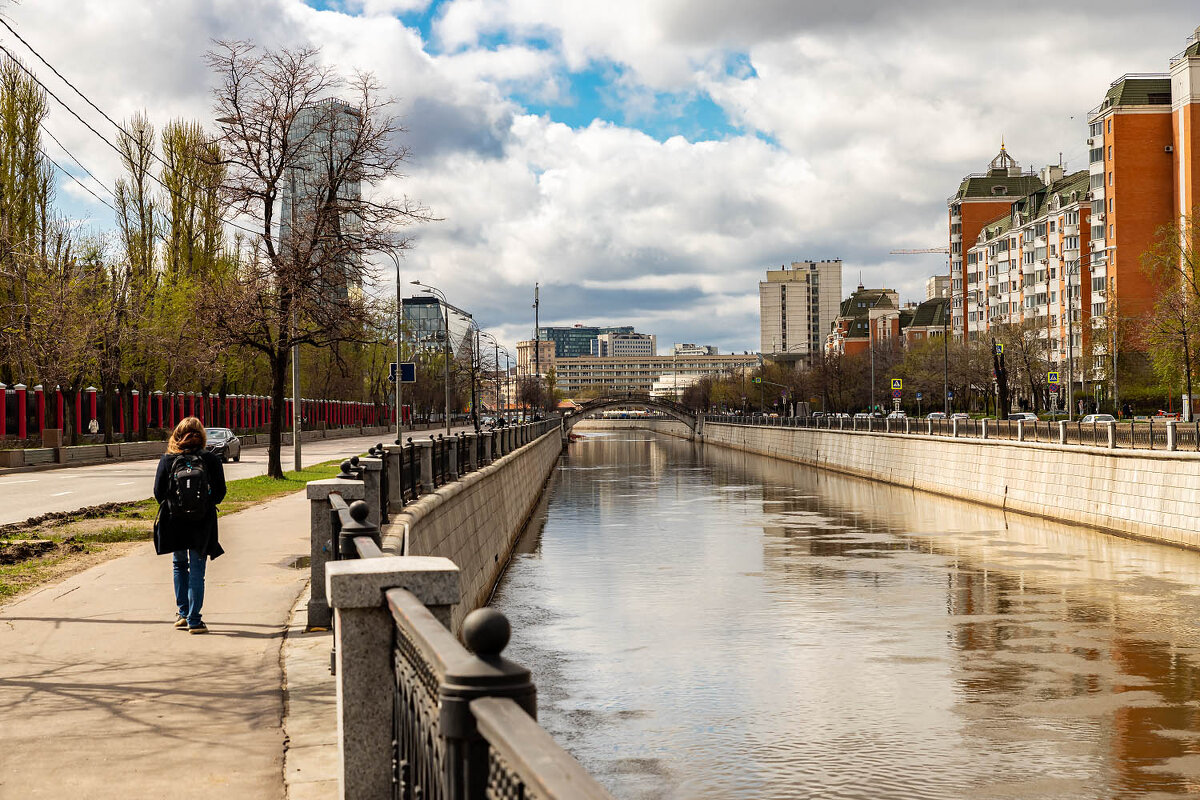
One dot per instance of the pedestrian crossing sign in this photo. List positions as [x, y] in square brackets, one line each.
[897, 383]
[1052, 378]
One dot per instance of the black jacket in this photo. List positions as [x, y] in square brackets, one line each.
[188, 534]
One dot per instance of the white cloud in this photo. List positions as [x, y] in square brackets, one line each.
[870, 113]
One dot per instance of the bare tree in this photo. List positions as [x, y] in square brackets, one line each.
[287, 140]
[1172, 332]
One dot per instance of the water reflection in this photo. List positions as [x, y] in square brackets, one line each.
[706, 623]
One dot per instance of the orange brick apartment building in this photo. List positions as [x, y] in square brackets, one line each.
[1049, 248]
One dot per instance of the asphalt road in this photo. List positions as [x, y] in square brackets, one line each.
[28, 494]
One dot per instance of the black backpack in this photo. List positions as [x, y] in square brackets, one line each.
[189, 487]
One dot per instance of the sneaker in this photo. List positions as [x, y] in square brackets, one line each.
[198, 628]
[180, 622]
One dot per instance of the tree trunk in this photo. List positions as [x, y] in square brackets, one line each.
[279, 369]
[106, 398]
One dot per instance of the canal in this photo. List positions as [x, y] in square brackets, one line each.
[705, 623]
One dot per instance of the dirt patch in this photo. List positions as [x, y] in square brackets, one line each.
[57, 518]
[17, 581]
[13, 552]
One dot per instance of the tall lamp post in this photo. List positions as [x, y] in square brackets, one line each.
[445, 340]
[496, 361]
[399, 384]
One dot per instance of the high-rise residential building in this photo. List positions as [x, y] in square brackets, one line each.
[797, 307]
[576, 340]
[425, 320]
[694, 350]
[982, 197]
[1026, 268]
[526, 361]
[625, 344]
[322, 136]
[937, 286]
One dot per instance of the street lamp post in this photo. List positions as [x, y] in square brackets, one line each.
[399, 389]
[445, 341]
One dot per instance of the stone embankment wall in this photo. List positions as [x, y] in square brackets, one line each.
[475, 521]
[1139, 493]
[1136, 493]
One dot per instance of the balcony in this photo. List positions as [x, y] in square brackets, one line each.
[955, 237]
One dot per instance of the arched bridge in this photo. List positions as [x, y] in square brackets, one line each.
[669, 407]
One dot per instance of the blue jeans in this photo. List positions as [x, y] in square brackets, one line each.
[189, 584]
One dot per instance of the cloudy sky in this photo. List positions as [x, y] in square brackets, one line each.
[644, 160]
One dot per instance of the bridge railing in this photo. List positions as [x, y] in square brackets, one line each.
[1167, 435]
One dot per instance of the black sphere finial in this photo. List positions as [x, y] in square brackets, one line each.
[486, 632]
[354, 461]
[359, 511]
[346, 465]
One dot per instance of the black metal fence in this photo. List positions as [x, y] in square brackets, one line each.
[1143, 435]
[463, 718]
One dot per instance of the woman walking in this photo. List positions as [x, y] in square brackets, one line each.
[189, 485]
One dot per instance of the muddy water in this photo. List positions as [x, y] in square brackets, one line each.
[710, 624]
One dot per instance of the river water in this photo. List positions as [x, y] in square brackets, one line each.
[704, 623]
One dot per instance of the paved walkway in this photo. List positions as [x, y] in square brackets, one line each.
[101, 698]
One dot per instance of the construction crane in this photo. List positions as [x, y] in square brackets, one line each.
[945, 250]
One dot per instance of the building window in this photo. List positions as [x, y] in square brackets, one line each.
[1112, 231]
[1110, 124]
[1110, 204]
[1110, 179]
[1110, 152]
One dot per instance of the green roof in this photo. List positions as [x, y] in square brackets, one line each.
[932, 313]
[1009, 186]
[874, 298]
[1139, 92]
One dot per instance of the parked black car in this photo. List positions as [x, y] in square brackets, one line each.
[224, 443]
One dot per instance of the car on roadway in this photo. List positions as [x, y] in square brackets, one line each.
[897, 415]
[936, 415]
[223, 443]
[960, 415]
[1098, 418]
[1025, 415]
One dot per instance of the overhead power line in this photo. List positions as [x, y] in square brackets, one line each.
[85, 187]
[78, 163]
[90, 127]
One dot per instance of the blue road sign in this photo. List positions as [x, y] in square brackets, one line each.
[918, 395]
[408, 372]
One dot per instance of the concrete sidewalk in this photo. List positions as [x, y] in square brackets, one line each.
[100, 697]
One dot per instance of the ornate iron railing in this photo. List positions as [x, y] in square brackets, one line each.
[1167, 435]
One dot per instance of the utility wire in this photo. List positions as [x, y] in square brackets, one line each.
[85, 187]
[88, 125]
[78, 163]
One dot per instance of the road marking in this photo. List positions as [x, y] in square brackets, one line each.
[60, 494]
[10, 483]
[126, 483]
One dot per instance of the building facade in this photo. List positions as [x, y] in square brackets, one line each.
[1027, 269]
[937, 286]
[322, 137]
[526, 361]
[982, 197]
[576, 340]
[425, 320]
[693, 350]
[625, 344]
[866, 317]
[637, 374]
[797, 307]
